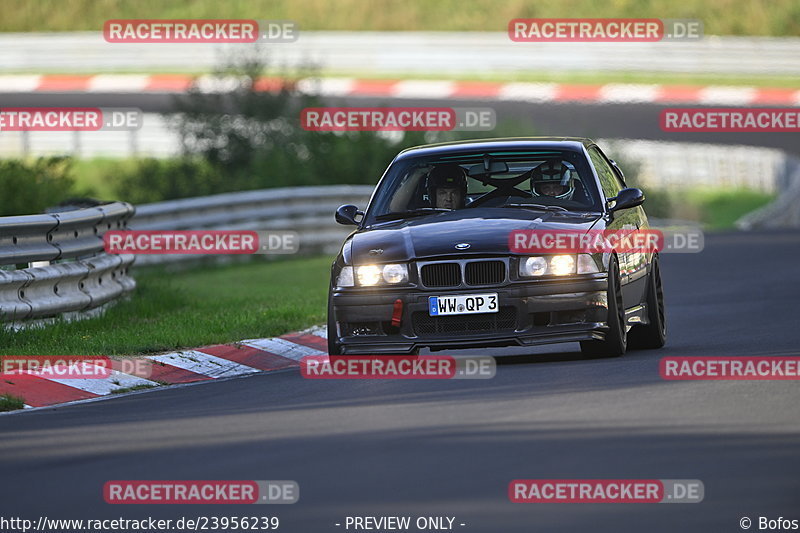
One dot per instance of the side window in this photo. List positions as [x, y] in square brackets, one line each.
[608, 179]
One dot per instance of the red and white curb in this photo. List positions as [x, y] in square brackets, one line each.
[202, 364]
[433, 89]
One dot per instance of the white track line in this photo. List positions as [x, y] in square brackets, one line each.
[319, 331]
[282, 347]
[423, 89]
[118, 83]
[203, 363]
[528, 92]
[628, 92]
[715, 95]
[19, 83]
[326, 86]
[102, 386]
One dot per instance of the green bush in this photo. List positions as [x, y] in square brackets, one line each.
[246, 139]
[153, 180]
[31, 186]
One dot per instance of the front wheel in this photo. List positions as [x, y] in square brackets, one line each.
[333, 335]
[653, 334]
[616, 340]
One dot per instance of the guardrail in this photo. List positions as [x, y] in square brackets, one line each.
[677, 165]
[388, 53]
[306, 210]
[53, 264]
[784, 212]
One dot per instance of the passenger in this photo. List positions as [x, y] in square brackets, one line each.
[553, 179]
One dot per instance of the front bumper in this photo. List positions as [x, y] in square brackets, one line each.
[531, 313]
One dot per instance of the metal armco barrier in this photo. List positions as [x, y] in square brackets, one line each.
[784, 211]
[53, 264]
[78, 276]
[401, 52]
[306, 210]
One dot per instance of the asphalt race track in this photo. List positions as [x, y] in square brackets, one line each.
[450, 448]
[623, 120]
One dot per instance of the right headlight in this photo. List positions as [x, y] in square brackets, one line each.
[556, 265]
[532, 266]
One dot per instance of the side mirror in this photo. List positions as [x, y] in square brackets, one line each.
[617, 169]
[346, 214]
[627, 198]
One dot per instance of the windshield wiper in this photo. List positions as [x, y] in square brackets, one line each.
[413, 213]
[538, 206]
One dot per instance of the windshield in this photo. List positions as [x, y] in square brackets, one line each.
[557, 180]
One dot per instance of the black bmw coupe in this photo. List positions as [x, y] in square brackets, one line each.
[430, 264]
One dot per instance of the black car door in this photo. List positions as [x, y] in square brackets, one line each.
[630, 265]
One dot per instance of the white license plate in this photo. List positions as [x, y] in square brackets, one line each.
[465, 304]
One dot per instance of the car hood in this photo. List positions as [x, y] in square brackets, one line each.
[486, 231]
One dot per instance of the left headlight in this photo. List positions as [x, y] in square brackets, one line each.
[390, 274]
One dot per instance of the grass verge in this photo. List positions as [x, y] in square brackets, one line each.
[190, 308]
[715, 209]
[10, 403]
[585, 78]
[721, 209]
[562, 76]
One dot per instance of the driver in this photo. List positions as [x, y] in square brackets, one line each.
[447, 187]
[554, 179]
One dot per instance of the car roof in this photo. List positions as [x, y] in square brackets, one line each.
[508, 143]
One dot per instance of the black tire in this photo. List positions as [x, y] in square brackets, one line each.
[334, 348]
[652, 335]
[616, 339]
